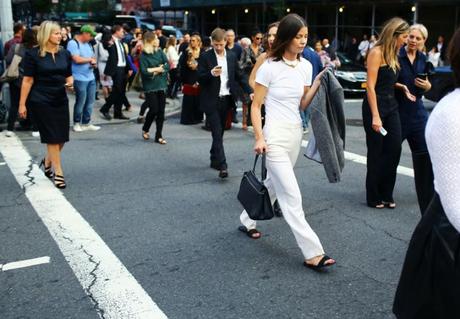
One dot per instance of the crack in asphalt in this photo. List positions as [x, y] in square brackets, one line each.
[92, 273]
[31, 179]
[99, 310]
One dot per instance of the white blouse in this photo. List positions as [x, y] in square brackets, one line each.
[443, 140]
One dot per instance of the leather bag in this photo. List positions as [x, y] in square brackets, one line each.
[253, 194]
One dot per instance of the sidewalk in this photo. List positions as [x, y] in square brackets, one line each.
[172, 107]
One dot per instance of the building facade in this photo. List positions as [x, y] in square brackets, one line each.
[331, 19]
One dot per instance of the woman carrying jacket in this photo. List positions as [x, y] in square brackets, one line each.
[154, 70]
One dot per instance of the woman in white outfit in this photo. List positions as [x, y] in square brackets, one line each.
[102, 55]
[283, 84]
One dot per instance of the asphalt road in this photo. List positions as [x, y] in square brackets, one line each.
[173, 224]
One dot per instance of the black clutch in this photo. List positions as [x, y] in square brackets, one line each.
[253, 194]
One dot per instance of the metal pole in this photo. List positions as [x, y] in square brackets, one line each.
[236, 22]
[336, 27]
[6, 20]
[373, 19]
[415, 12]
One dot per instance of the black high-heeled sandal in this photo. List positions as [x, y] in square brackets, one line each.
[59, 181]
[46, 170]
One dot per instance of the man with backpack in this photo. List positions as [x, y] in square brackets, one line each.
[83, 64]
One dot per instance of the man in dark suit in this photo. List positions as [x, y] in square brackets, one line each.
[118, 68]
[219, 76]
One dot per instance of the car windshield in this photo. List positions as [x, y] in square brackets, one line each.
[343, 58]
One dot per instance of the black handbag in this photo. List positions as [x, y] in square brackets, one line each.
[253, 194]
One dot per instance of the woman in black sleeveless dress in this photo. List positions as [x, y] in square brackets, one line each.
[380, 115]
[47, 73]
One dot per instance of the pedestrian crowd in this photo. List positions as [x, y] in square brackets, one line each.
[281, 82]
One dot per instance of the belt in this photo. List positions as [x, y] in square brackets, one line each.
[223, 97]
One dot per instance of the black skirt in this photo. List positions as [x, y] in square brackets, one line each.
[191, 113]
[429, 286]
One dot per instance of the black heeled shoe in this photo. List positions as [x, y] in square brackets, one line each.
[46, 170]
[59, 181]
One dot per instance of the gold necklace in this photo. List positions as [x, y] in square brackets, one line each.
[290, 63]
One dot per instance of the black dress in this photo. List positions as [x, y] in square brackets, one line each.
[191, 113]
[383, 152]
[48, 98]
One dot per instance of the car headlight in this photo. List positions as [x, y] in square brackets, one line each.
[348, 76]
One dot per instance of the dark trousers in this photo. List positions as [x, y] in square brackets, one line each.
[173, 83]
[156, 102]
[383, 154]
[15, 92]
[216, 120]
[117, 96]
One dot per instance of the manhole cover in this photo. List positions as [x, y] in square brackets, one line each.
[354, 122]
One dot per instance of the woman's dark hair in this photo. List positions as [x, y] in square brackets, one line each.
[106, 37]
[288, 28]
[255, 32]
[453, 54]
[29, 39]
[265, 40]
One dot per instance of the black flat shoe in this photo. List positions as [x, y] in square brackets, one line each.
[121, 117]
[321, 265]
[46, 170]
[59, 181]
[106, 115]
[223, 173]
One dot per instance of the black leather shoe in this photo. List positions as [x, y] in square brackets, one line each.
[215, 166]
[206, 128]
[121, 117]
[223, 173]
[106, 115]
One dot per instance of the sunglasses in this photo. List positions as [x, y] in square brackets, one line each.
[258, 38]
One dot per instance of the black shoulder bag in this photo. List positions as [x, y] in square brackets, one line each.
[253, 194]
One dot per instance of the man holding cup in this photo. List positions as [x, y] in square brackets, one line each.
[83, 64]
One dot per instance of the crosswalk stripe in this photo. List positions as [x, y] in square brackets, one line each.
[25, 263]
[113, 290]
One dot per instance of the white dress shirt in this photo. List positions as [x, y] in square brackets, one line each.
[120, 52]
[222, 61]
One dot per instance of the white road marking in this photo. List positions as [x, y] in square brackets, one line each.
[2, 163]
[25, 263]
[363, 160]
[114, 292]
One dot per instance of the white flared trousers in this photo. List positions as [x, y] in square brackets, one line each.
[284, 142]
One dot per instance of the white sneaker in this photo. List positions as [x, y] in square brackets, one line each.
[77, 127]
[9, 133]
[36, 134]
[90, 127]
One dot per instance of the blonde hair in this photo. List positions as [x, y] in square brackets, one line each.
[421, 28]
[387, 41]
[148, 39]
[44, 34]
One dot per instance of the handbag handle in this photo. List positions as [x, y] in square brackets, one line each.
[263, 172]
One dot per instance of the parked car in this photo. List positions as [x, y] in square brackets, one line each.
[169, 30]
[352, 76]
[133, 21]
[442, 82]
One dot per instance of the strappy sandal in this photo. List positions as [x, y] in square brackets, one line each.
[321, 265]
[46, 170]
[250, 233]
[161, 141]
[145, 135]
[59, 181]
[390, 205]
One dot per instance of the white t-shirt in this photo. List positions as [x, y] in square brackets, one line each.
[443, 139]
[285, 86]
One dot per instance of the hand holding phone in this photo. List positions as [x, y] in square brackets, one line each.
[422, 76]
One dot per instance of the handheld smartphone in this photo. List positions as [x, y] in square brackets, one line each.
[383, 131]
[218, 67]
[422, 76]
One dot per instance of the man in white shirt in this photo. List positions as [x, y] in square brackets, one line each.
[363, 48]
[219, 76]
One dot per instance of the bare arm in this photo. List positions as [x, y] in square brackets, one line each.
[259, 96]
[309, 92]
[27, 83]
[374, 60]
[252, 77]
[80, 60]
